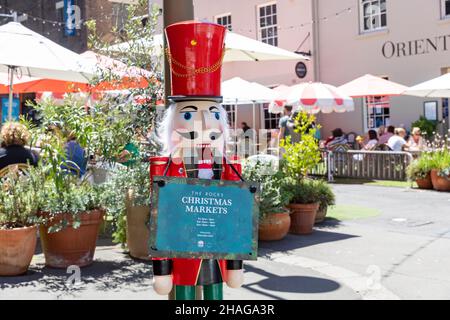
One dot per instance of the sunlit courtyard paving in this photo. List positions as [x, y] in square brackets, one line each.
[395, 249]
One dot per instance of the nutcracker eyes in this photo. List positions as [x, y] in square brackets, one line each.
[187, 116]
[216, 112]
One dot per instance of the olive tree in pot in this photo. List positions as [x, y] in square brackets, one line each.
[274, 219]
[19, 202]
[70, 207]
[299, 158]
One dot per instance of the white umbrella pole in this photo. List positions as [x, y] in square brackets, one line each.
[11, 78]
[254, 116]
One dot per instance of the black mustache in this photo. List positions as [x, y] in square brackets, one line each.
[188, 135]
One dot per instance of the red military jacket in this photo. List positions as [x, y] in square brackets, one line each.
[185, 272]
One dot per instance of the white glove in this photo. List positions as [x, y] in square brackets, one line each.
[235, 278]
[162, 284]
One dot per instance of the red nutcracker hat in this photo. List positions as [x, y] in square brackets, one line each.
[195, 53]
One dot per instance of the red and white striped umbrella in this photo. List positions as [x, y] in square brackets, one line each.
[314, 97]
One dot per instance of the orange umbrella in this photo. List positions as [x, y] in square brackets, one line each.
[126, 78]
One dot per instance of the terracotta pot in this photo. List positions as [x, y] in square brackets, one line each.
[17, 248]
[138, 233]
[274, 226]
[303, 217]
[71, 246]
[321, 214]
[440, 183]
[425, 183]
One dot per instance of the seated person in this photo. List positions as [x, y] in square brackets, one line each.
[130, 154]
[371, 142]
[76, 157]
[397, 142]
[14, 137]
[337, 138]
[416, 141]
[384, 138]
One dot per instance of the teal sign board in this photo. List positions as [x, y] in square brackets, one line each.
[15, 109]
[207, 219]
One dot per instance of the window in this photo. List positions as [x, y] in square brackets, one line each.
[373, 15]
[445, 8]
[271, 120]
[268, 30]
[224, 20]
[378, 112]
[230, 109]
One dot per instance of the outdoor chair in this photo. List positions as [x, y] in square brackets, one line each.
[382, 147]
[19, 167]
[351, 139]
[338, 162]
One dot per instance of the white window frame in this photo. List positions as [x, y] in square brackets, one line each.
[258, 23]
[361, 18]
[444, 15]
[221, 16]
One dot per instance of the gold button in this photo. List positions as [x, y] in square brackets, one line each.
[193, 42]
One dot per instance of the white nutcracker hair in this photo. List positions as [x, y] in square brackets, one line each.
[165, 128]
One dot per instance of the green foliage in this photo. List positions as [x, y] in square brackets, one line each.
[138, 53]
[428, 127]
[272, 199]
[440, 161]
[326, 194]
[133, 181]
[304, 191]
[20, 195]
[301, 157]
[73, 197]
[420, 167]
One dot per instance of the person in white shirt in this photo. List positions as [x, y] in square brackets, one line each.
[372, 141]
[397, 142]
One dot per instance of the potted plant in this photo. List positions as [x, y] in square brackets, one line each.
[127, 201]
[72, 214]
[305, 200]
[70, 207]
[327, 199]
[420, 171]
[274, 219]
[19, 202]
[440, 173]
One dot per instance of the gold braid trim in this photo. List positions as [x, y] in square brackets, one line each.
[192, 71]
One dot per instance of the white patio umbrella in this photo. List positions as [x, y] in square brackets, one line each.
[239, 91]
[27, 53]
[238, 48]
[314, 97]
[436, 88]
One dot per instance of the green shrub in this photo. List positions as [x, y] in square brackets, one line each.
[20, 195]
[272, 197]
[428, 127]
[440, 161]
[304, 191]
[420, 167]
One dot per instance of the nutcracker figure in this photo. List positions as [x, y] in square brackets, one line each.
[194, 133]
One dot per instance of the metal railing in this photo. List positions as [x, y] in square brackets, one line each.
[376, 165]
